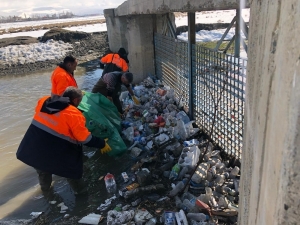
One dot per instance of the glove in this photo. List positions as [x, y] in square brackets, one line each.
[136, 101]
[106, 148]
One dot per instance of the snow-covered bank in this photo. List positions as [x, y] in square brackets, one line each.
[21, 54]
[54, 50]
[44, 22]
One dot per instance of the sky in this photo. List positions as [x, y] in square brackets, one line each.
[29, 7]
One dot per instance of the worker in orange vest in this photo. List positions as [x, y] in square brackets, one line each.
[63, 76]
[53, 141]
[114, 62]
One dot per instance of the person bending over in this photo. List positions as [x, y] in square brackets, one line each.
[111, 62]
[53, 142]
[110, 84]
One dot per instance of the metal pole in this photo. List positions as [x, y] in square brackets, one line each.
[191, 42]
[237, 42]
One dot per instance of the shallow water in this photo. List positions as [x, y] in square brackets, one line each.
[19, 190]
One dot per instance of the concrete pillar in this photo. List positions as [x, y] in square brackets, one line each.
[116, 29]
[270, 181]
[135, 33]
[139, 36]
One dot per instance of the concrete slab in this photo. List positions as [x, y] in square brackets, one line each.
[133, 7]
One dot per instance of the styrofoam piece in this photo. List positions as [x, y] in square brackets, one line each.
[35, 214]
[142, 216]
[91, 219]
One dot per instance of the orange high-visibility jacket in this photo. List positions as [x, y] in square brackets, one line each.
[68, 124]
[61, 79]
[53, 141]
[115, 59]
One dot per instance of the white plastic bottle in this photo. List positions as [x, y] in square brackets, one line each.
[183, 116]
[234, 172]
[110, 183]
[182, 130]
[152, 221]
[179, 186]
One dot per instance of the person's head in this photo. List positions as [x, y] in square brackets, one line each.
[127, 78]
[122, 52]
[70, 63]
[74, 94]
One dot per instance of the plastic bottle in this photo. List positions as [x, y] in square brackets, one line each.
[197, 216]
[169, 218]
[174, 172]
[182, 173]
[190, 143]
[183, 116]
[182, 130]
[234, 172]
[181, 218]
[110, 183]
[179, 186]
[220, 179]
[140, 140]
[190, 206]
[152, 221]
[189, 196]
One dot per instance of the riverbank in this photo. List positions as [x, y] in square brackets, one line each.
[84, 46]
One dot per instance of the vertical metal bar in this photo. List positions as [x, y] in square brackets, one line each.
[237, 42]
[191, 42]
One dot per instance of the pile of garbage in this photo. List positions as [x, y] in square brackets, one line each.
[179, 176]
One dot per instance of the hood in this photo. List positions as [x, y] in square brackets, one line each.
[55, 104]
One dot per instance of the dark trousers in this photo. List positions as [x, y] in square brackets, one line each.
[100, 87]
[45, 180]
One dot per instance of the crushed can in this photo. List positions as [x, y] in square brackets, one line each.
[170, 218]
[125, 176]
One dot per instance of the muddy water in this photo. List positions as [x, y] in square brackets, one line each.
[19, 190]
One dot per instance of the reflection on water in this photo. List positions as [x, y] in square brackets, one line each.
[19, 189]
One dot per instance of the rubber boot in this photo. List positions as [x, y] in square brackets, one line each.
[79, 186]
[45, 180]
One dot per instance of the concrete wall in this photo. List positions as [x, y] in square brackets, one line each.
[131, 7]
[117, 30]
[140, 43]
[270, 185]
[135, 33]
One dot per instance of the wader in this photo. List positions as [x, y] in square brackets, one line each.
[45, 180]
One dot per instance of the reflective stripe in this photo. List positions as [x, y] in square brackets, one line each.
[56, 134]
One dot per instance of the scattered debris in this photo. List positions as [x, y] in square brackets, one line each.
[91, 219]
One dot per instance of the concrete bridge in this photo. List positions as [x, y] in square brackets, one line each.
[271, 152]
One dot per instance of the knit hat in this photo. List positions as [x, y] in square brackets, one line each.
[122, 51]
[128, 76]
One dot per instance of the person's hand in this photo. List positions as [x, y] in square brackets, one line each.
[135, 100]
[110, 98]
[106, 148]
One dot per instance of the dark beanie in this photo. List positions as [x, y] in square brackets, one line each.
[128, 76]
[122, 51]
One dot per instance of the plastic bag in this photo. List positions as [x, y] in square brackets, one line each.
[103, 120]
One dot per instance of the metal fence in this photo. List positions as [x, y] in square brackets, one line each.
[218, 90]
